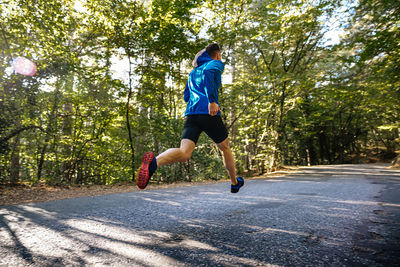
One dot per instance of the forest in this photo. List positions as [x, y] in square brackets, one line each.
[306, 82]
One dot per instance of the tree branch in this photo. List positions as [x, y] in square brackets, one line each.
[265, 59]
[245, 109]
[18, 131]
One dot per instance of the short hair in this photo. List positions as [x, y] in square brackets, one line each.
[212, 49]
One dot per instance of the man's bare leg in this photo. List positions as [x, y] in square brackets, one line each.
[229, 161]
[181, 154]
[148, 167]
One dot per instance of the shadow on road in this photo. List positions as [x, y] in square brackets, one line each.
[321, 216]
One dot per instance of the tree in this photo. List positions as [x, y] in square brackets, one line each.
[373, 35]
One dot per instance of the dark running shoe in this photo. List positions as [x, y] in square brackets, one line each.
[235, 188]
[144, 171]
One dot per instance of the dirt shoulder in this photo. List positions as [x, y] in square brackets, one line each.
[22, 194]
[15, 195]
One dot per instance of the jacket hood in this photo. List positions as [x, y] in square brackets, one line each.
[201, 58]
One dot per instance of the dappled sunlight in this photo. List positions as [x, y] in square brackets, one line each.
[275, 181]
[146, 256]
[104, 230]
[316, 207]
[42, 212]
[354, 167]
[265, 224]
[33, 234]
[193, 244]
[113, 239]
[165, 202]
[370, 203]
[238, 261]
[260, 198]
[354, 202]
[194, 223]
[335, 215]
[346, 169]
[276, 230]
[16, 217]
[211, 193]
[339, 209]
[78, 233]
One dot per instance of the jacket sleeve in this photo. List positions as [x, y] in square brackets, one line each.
[212, 81]
[186, 95]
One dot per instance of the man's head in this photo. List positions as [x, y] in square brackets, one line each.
[214, 51]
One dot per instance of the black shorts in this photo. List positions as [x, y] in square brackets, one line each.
[212, 125]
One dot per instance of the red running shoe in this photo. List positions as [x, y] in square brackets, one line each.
[144, 172]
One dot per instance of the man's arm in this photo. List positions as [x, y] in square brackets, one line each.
[212, 82]
[186, 95]
[211, 86]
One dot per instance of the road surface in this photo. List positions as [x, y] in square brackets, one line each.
[342, 215]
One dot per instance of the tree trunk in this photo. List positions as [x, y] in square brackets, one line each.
[48, 133]
[127, 117]
[233, 111]
[275, 152]
[41, 161]
[15, 167]
[280, 129]
[67, 132]
[396, 162]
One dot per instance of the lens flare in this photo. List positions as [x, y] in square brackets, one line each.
[24, 66]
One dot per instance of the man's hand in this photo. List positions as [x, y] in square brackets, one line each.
[213, 108]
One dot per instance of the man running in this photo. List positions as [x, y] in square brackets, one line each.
[202, 114]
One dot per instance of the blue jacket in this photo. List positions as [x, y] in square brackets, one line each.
[202, 85]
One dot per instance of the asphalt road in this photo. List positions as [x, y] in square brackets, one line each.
[342, 215]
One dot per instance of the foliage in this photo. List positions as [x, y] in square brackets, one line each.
[111, 76]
